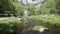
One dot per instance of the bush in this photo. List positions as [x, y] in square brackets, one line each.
[7, 26]
[51, 19]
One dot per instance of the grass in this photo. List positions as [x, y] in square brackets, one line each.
[50, 19]
[6, 26]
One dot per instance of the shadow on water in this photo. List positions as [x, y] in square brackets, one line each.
[36, 32]
[34, 22]
[53, 29]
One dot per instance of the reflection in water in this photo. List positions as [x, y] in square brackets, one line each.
[37, 32]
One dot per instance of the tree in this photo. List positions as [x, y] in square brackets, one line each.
[58, 6]
[5, 5]
[11, 7]
[31, 9]
[47, 6]
[18, 7]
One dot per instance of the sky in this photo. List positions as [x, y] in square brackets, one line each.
[31, 0]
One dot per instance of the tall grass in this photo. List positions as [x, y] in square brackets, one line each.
[50, 19]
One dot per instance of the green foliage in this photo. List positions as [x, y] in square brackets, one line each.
[49, 19]
[58, 6]
[7, 27]
[18, 8]
[47, 6]
[31, 8]
[10, 6]
[5, 5]
[50, 7]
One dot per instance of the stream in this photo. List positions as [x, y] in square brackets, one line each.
[33, 22]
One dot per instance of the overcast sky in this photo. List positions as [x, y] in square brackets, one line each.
[30, 1]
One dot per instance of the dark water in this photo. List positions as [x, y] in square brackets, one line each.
[37, 32]
[36, 22]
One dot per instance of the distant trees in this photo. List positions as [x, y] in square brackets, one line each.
[18, 8]
[5, 5]
[31, 9]
[58, 6]
[50, 7]
[10, 7]
[14, 7]
[46, 7]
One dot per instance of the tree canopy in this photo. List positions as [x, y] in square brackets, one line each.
[50, 6]
[31, 8]
[10, 6]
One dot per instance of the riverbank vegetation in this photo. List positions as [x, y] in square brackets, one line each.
[54, 20]
[7, 25]
[48, 12]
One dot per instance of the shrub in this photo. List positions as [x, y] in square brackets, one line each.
[7, 26]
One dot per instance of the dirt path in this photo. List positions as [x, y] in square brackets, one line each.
[6, 18]
[3, 18]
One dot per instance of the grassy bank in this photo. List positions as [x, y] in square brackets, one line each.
[49, 19]
[7, 26]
